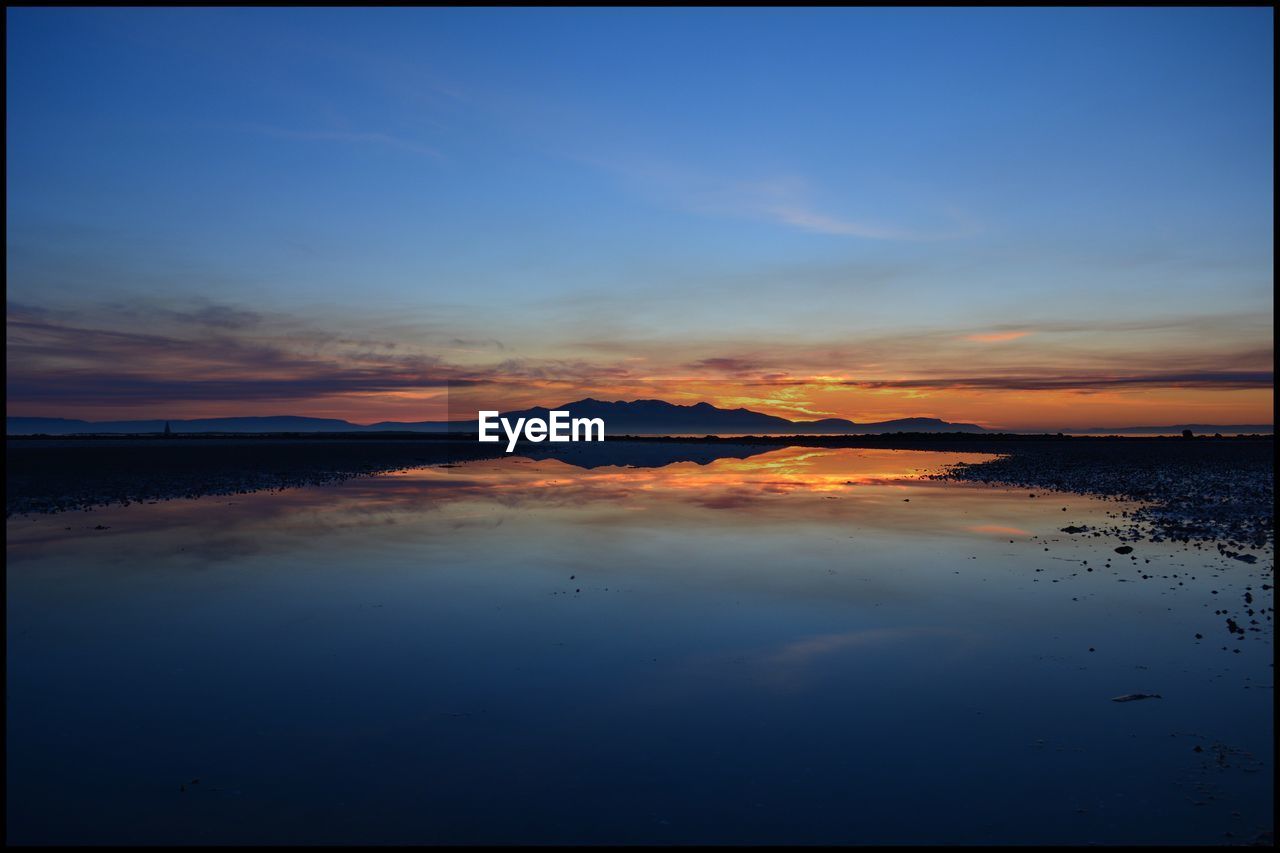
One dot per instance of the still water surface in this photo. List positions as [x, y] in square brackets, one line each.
[800, 645]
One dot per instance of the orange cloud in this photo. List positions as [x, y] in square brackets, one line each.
[996, 337]
[104, 363]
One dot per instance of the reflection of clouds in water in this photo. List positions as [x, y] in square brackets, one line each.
[806, 651]
[998, 530]
[475, 521]
[796, 664]
[803, 663]
[737, 499]
[724, 484]
[785, 487]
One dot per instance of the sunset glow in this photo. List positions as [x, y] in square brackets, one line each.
[593, 426]
[465, 214]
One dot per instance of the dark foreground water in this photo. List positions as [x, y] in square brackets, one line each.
[800, 646]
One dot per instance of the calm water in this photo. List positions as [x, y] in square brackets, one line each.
[798, 646]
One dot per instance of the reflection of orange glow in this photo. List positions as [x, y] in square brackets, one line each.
[789, 486]
[999, 530]
[792, 469]
[788, 489]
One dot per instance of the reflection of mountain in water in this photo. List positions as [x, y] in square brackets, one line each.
[44, 475]
[636, 454]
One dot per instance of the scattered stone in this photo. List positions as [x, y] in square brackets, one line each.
[1188, 492]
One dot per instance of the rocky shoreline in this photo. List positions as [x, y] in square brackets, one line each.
[1188, 491]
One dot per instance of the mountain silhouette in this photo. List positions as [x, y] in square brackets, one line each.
[621, 418]
[658, 417]
[639, 417]
[280, 423]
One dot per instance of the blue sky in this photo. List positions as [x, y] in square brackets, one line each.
[592, 187]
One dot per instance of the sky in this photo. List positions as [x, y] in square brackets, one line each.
[1020, 218]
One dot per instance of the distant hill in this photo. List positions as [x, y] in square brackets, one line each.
[281, 423]
[640, 417]
[658, 417]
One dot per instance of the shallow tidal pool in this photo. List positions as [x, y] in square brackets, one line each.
[783, 646]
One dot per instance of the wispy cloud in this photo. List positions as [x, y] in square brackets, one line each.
[995, 337]
[811, 220]
[210, 358]
[54, 359]
[787, 200]
[1069, 381]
